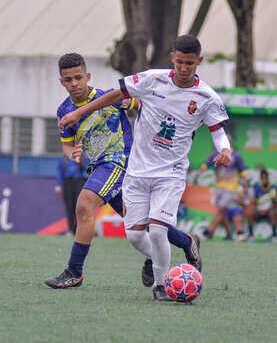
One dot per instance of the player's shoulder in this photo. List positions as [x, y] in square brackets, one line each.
[99, 92]
[211, 94]
[157, 74]
[64, 107]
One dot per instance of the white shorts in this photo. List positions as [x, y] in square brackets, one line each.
[155, 198]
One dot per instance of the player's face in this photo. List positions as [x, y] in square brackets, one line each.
[185, 66]
[264, 180]
[75, 80]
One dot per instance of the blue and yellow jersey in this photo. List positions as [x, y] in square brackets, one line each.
[265, 197]
[227, 177]
[106, 134]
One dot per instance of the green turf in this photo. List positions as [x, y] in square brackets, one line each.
[238, 302]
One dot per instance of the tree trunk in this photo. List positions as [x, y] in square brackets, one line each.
[151, 29]
[200, 17]
[243, 13]
[164, 23]
[129, 55]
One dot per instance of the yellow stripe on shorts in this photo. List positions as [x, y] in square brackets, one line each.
[111, 181]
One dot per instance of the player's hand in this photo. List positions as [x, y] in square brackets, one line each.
[224, 158]
[58, 190]
[69, 120]
[77, 153]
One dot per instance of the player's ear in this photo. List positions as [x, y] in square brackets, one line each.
[88, 76]
[200, 59]
[61, 81]
[172, 56]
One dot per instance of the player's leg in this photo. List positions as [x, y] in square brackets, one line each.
[136, 212]
[78, 186]
[163, 215]
[188, 242]
[68, 198]
[273, 221]
[95, 193]
[251, 218]
[161, 254]
[226, 224]
[223, 198]
[238, 224]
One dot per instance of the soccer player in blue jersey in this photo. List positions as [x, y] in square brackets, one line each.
[265, 200]
[105, 137]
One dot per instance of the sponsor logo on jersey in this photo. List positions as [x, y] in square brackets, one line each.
[158, 95]
[164, 138]
[192, 107]
[166, 214]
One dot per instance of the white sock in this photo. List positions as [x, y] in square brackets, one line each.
[160, 252]
[140, 240]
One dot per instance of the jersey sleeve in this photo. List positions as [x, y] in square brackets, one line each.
[125, 104]
[241, 165]
[210, 161]
[136, 85]
[215, 114]
[67, 135]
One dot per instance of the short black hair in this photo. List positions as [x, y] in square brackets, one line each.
[188, 44]
[71, 60]
[264, 172]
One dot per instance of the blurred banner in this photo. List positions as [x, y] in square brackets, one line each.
[29, 205]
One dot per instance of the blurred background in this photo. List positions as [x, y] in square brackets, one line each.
[119, 37]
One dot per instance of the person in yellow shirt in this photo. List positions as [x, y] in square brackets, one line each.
[227, 184]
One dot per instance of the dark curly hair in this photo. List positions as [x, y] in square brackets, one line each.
[264, 172]
[71, 60]
[188, 44]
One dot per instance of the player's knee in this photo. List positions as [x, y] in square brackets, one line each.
[83, 212]
[157, 233]
[134, 237]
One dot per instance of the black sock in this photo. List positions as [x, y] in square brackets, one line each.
[250, 229]
[274, 231]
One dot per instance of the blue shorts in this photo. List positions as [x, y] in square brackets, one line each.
[231, 213]
[106, 181]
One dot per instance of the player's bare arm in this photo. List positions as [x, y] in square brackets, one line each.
[106, 100]
[73, 152]
[67, 148]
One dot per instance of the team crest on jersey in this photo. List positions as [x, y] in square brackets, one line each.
[164, 137]
[192, 107]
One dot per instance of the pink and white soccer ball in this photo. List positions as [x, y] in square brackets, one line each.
[183, 282]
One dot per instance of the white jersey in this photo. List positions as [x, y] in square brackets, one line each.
[167, 120]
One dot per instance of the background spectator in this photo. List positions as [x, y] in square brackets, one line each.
[265, 205]
[227, 184]
[71, 177]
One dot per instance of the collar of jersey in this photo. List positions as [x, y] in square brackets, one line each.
[196, 78]
[266, 188]
[90, 97]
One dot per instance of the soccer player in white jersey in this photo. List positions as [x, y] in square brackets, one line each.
[174, 104]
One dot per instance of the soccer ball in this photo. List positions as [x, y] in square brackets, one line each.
[183, 282]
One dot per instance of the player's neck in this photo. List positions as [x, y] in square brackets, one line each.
[82, 97]
[183, 84]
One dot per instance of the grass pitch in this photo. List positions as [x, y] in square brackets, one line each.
[238, 302]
